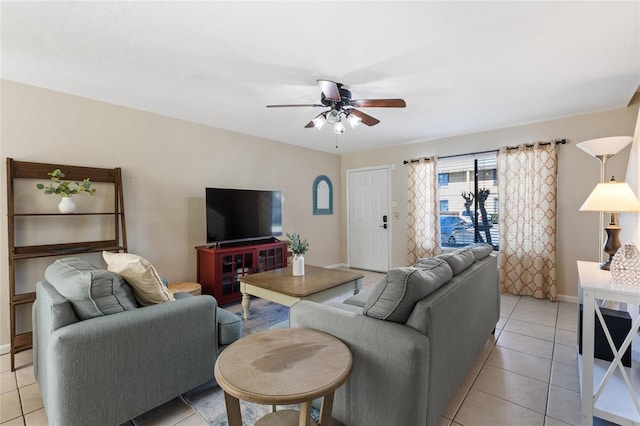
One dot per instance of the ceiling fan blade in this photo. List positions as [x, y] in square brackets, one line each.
[311, 124]
[295, 105]
[378, 103]
[366, 119]
[330, 89]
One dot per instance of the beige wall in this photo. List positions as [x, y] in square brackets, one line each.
[578, 174]
[166, 164]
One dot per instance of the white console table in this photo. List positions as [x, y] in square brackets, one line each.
[609, 390]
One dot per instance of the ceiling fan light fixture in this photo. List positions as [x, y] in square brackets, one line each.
[334, 117]
[318, 122]
[354, 120]
[341, 107]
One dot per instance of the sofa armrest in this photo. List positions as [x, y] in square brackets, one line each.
[388, 359]
[459, 318]
[182, 295]
[109, 369]
[49, 312]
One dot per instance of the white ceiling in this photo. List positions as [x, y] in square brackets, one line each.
[462, 67]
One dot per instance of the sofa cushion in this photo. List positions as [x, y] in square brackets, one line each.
[92, 292]
[143, 277]
[394, 297]
[481, 250]
[459, 260]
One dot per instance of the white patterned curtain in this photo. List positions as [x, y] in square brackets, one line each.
[422, 210]
[527, 181]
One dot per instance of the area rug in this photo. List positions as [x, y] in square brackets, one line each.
[208, 401]
[262, 315]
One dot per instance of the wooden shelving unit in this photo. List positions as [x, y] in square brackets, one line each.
[17, 170]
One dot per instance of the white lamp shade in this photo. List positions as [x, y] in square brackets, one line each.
[605, 146]
[611, 197]
[318, 122]
[353, 120]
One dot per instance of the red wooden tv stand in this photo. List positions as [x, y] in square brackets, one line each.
[219, 267]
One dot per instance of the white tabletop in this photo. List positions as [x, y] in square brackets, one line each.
[591, 277]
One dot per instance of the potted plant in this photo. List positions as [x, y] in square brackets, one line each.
[299, 247]
[66, 189]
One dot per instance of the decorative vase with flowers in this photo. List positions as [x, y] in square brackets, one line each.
[66, 189]
[298, 247]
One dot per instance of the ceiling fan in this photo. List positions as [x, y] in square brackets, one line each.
[343, 108]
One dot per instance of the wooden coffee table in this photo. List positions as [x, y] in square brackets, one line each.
[283, 366]
[280, 286]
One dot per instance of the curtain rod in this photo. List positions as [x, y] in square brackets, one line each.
[529, 145]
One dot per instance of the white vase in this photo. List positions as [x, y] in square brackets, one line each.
[298, 265]
[66, 205]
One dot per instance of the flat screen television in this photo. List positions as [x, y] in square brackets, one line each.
[242, 214]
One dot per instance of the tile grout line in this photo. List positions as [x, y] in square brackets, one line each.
[553, 351]
[553, 348]
[484, 364]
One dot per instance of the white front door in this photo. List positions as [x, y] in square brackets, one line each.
[369, 222]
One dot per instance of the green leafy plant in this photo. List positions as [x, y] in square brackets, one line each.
[298, 245]
[66, 188]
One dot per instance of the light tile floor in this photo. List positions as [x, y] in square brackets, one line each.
[527, 374]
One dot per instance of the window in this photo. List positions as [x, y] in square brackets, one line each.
[471, 195]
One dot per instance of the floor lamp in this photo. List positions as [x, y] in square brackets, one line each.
[603, 149]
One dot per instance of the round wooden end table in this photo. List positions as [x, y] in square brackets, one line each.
[186, 287]
[283, 366]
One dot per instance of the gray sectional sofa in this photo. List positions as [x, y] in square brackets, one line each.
[413, 337]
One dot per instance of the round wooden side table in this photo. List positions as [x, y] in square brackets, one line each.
[283, 366]
[186, 287]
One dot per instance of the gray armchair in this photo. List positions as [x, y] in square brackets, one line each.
[109, 369]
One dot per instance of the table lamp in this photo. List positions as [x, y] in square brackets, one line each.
[612, 197]
[603, 149]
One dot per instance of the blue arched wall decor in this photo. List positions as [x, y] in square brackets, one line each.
[322, 196]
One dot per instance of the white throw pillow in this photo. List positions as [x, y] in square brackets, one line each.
[141, 275]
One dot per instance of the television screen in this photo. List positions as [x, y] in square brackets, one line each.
[242, 214]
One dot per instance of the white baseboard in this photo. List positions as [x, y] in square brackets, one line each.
[566, 298]
[337, 265]
[5, 349]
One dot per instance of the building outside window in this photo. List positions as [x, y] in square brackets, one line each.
[443, 179]
[459, 199]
